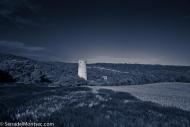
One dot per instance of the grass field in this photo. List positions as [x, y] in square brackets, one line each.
[82, 107]
[166, 94]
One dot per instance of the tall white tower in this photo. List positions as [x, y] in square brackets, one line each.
[82, 73]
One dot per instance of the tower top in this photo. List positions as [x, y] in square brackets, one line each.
[82, 61]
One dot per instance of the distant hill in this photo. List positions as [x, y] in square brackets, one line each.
[122, 74]
[28, 71]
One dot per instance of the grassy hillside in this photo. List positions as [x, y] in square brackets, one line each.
[24, 70]
[130, 74]
[79, 106]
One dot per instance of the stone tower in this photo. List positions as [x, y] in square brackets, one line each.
[82, 73]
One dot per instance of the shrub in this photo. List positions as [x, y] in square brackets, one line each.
[5, 77]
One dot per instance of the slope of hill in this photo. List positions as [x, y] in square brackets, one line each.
[80, 107]
[130, 74]
[28, 71]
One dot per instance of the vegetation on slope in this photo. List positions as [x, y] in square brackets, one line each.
[79, 106]
[65, 74]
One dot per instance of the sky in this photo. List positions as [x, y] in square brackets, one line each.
[111, 31]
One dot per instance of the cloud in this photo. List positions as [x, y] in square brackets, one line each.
[34, 52]
[19, 46]
[14, 10]
[22, 49]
